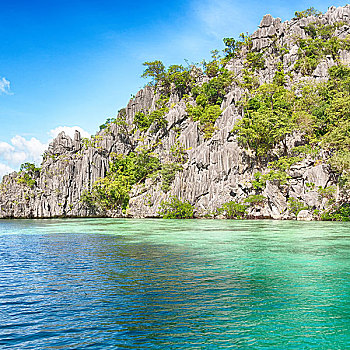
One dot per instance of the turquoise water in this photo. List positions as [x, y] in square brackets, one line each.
[164, 284]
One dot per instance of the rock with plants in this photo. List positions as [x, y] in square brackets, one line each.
[260, 130]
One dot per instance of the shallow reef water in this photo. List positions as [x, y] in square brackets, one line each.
[174, 284]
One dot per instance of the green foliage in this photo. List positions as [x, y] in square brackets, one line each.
[156, 118]
[284, 163]
[109, 193]
[259, 182]
[245, 41]
[231, 47]
[279, 79]
[255, 61]
[206, 115]
[233, 210]
[175, 77]
[328, 193]
[181, 78]
[136, 166]
[295, 206]
[178, 153]
[319, 111]
[142, 121]
[337, 213]
[280, 176]
[340, 162]
[268, 119]
[91, 142]
[168, 172]
[255, 200]
[306, 150]
[308, 12]
[107, 123]
[175, 208]
[320, 43]
[26, 180]
[338, 137]
[211, 68]
[209, 97]
[29, 168]
[27, 174]
[249, 80]
[215, 89]
[154, 70]
[112, 191]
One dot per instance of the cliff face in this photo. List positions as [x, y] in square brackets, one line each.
[217, 170]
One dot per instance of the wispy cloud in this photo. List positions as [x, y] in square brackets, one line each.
[4, 86]
[220, 17]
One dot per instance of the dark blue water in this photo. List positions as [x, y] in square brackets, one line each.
[158, 284]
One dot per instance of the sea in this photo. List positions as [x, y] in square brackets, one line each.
[174, 284]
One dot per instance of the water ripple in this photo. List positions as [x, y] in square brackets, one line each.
[160, 284]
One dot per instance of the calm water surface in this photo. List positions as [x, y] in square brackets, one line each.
[163, 284]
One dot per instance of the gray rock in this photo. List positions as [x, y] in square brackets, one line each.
[304, 215]
[217, 170]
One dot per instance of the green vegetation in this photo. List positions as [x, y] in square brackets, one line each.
[143, 121]
[272, 113]
[328, 193]
[231, 48]
[256, 200]
[107, 123]
[168, 173]
[337, 213]
[268, 119]
[320, 43]
[27, 174]
[176, 78]
[233, 210]
[319, 112]
[206, 116]
[209, 97]
[259, 182]
[176, 208]
[308, 12]
[295, 206]
[112, 191]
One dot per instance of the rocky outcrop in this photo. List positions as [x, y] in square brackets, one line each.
[217, 170]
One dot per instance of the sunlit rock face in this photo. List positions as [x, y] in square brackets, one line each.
[217, 170]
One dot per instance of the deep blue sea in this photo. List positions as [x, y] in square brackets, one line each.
[167, 284]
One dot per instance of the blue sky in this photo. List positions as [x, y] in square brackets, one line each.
[75, 63]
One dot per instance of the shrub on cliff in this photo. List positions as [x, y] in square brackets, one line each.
[112, 191]
[233, 210]
[27, 174]
[176, 208]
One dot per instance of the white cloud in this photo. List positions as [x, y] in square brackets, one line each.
[69, 130]
[6, 148]
[27, 150]
[22, 150]
[4, 86]
[5, 169]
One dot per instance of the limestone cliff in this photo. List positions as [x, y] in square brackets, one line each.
[216, 170]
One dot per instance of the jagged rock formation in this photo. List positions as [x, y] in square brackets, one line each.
[217, 170]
